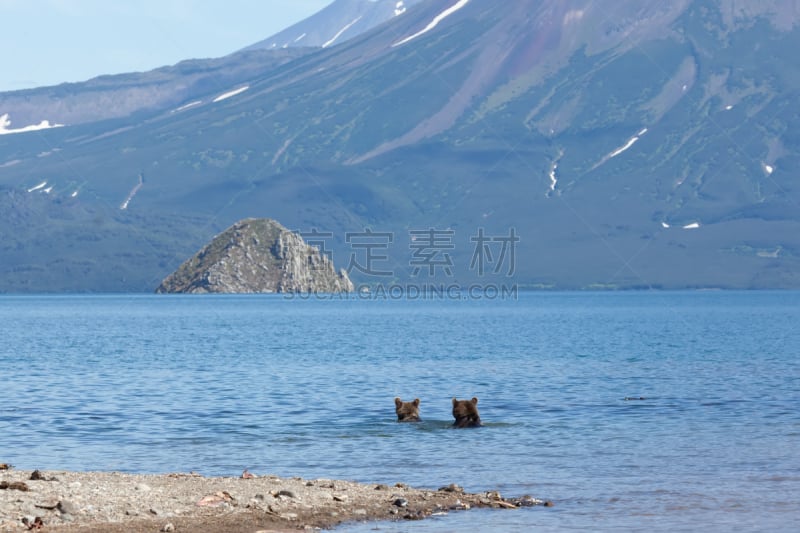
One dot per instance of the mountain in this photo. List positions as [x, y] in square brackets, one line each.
[339, 21]
[171, 88]
[257, 256]
[556, 144]
[177, 87]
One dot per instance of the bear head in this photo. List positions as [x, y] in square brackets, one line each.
[466, 413]
[407, 411]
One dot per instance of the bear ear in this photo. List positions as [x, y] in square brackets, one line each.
[475, 401]
[455, 402]
[398, 402]
[416, 402]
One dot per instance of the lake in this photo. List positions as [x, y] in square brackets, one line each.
[305, 387]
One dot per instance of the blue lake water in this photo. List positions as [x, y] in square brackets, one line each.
[216, 384]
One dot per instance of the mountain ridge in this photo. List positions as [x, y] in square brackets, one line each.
[336, 23]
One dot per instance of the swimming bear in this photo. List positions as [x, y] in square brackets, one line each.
[466, 413]
[407, 411]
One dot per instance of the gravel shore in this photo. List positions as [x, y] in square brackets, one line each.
[112, 502]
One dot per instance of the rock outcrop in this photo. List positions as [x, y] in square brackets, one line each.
[257, 256]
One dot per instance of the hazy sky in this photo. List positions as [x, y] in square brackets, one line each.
[46, 42]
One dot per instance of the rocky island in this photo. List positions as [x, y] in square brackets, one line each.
[257, 256]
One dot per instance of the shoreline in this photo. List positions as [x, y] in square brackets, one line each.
[88, 502]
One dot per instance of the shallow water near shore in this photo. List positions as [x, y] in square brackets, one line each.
[217, 384]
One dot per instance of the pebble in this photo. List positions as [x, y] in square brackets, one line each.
[452, 487]
[14, 485]
[67, 507]
[168, 528]
[459, 506]
[526, 501]
[360, 512]
[48, 504]
[287, 493]
[142, 487]
[401, 502]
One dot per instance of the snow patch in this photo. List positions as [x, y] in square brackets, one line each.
[553, 179]
[664, 225]
[282, 149]
[131, 194]
[399, 8]
[621, 149]
[37, 187]
[339, 33]
[225, 96]
[769, 169]
[298, 39]
[5, 126]
[187, 106]
[74, 194]
[627, 145]
[728, 107]
[435, 22]
[48, 190]
[552, 175]
[693, 225]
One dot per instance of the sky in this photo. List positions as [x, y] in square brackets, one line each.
[47, 42]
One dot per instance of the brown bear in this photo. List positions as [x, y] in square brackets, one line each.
[407, 411]
[466, 413]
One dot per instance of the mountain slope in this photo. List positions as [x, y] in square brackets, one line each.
[123, 95]
[336, 23]
[639, 145]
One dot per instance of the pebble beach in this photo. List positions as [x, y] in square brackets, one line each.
[116, 502]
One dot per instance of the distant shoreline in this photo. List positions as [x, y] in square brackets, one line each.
[355, 296]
